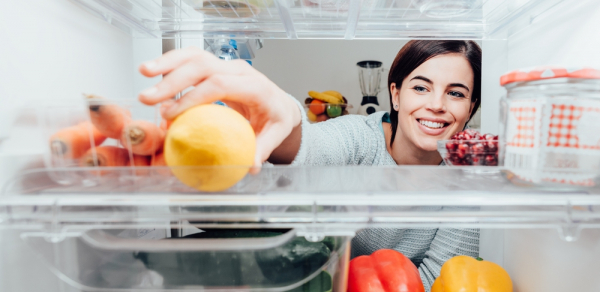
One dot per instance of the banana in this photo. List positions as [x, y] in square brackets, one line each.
[311, 117]
[336, 94]
[324, 97]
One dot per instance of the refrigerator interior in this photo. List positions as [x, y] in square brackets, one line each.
[58, 50]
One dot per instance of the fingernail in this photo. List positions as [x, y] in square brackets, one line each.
[150, 91]
[150, 65]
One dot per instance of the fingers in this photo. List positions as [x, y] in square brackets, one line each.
[190, 73]
[164, 65]
[205, 93]
[219, 87]
[165, 105]
[171, 60]
[268, 140]
[254, 170]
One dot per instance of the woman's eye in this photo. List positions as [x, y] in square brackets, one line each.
[420, 89]
[456, 94]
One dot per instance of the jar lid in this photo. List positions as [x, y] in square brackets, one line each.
[540, 73]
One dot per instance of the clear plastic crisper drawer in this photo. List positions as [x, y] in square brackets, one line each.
[327, 19]
[100, 133]
[203, 260]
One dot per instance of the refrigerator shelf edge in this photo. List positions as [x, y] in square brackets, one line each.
[330, 198]
[323, 19]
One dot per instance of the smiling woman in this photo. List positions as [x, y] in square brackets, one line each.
[434, 88]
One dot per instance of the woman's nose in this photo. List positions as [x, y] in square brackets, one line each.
[436, 103]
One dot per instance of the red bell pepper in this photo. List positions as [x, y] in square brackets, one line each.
[385, 270]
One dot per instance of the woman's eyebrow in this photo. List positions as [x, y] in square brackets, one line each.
[422, 78]
[458, 85]
[431, 82]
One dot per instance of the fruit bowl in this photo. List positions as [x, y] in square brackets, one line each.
[470, 148]
[318, 111]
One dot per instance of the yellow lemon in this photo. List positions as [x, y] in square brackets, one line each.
[210, 147]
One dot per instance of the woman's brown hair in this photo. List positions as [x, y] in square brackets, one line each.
[417, 52]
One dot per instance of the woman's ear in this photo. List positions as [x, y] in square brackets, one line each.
[395, 96]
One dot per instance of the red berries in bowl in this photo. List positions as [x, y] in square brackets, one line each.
[469, 147]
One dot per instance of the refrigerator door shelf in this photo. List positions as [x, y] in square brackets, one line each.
[321, 19]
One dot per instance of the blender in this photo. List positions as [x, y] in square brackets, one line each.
[369, 77]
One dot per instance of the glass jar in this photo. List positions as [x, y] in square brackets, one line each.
[551, 125]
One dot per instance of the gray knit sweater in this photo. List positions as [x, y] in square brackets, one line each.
[358, 140]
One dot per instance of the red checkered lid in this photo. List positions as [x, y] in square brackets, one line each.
[541, 73]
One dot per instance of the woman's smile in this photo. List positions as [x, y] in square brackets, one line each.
[432, 126]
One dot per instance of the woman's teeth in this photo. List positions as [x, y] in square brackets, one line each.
[430, 124]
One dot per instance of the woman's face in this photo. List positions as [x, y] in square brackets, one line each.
[434, 101]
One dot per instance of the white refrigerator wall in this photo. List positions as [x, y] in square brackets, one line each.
[539, 260]
[51, 50]
[54, 50]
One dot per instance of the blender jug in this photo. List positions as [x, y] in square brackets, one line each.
[369, 78]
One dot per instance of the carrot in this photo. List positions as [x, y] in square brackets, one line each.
[158, 159]
[141, 161]
[108, 118]
[74, 141]
[161, 164]
[105, 156]
[143, 138]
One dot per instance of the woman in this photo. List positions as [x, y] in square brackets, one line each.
[434, 87]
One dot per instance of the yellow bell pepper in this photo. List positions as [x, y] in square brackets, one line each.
[466, 274]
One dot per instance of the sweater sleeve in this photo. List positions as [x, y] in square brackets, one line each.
[346, 140]
[447, 243]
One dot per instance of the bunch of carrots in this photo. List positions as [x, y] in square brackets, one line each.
[142, 141]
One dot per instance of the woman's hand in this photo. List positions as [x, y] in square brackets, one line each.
[272, 114]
